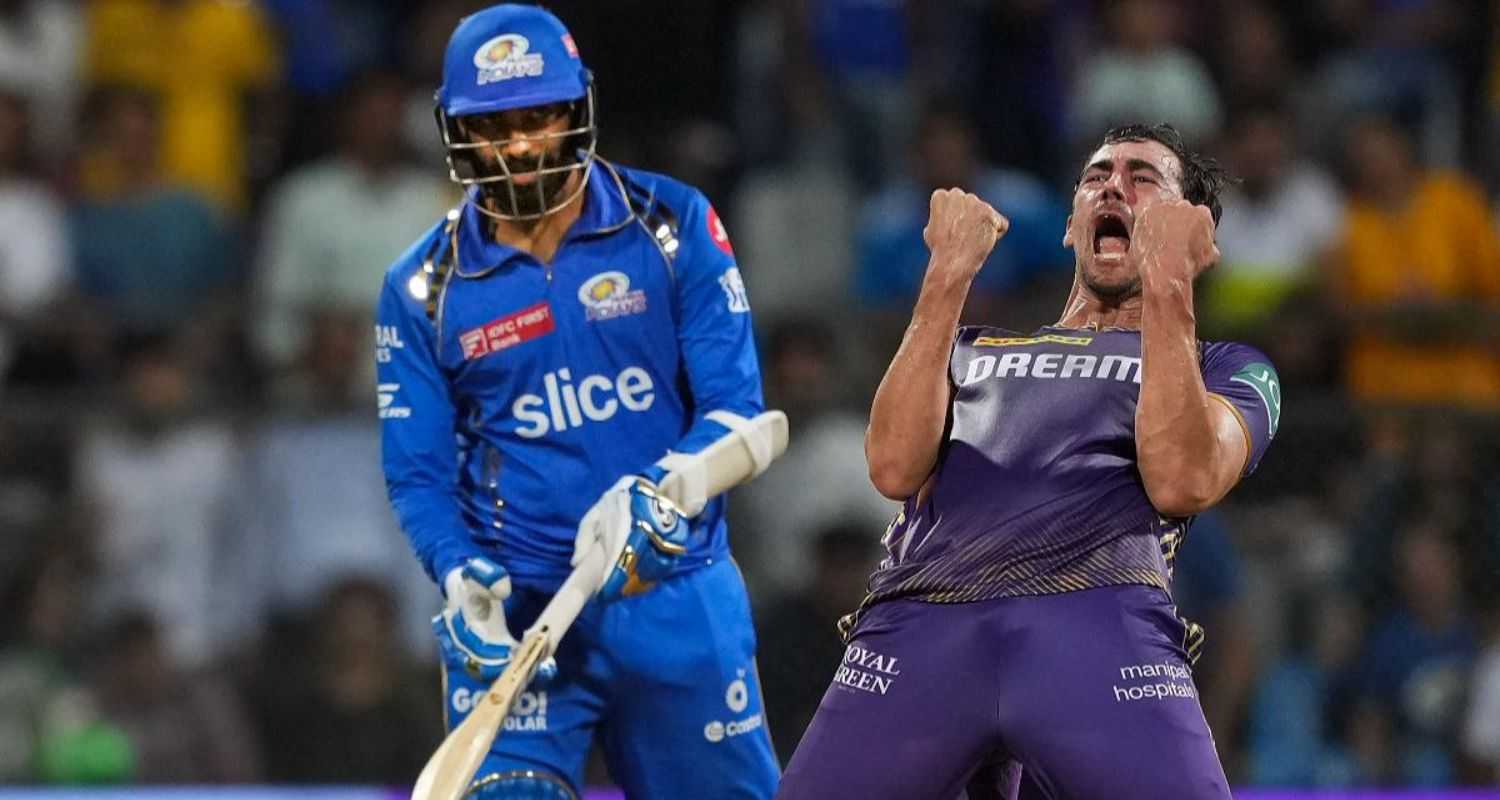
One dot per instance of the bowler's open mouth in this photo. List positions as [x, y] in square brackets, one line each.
[1111, 234]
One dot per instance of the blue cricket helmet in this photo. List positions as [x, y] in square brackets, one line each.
[508, 57]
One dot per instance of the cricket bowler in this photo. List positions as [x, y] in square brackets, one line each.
[1022, 621]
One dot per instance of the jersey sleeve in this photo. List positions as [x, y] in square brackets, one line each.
[1244, 377]
[714, 327]
[418, 446]
[964, 335]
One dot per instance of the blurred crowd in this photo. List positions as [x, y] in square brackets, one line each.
[202, 579]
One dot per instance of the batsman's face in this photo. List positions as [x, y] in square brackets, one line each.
[525, 148]
[1120, 181]
[524, 138]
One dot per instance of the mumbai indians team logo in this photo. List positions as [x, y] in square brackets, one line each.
[505, 57]
[608, 295]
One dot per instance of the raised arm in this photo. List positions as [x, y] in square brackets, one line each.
[910, 411]
[1191, 446]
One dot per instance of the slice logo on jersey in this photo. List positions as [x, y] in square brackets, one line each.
[385, 399]
[596, 398]
[608, 295]
[734, 289]
[1260, 377]
[505, 57]
[718, 233]
[507, 331]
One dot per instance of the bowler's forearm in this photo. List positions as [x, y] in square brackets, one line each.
[910, 411]
[1178, 431]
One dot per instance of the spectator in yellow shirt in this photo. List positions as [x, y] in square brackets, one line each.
[1419, 272]
[204, 58]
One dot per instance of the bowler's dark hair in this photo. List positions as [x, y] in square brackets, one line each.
[1203, 178]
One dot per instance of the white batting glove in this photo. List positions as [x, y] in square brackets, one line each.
[607, 522]
[471, 630]
[643, 535]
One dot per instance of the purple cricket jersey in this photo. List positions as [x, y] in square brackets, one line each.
[1036, 489]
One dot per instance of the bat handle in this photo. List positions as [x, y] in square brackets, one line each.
[570, 599]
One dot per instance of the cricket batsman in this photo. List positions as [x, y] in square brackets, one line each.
[545, 355]
[1022, 621]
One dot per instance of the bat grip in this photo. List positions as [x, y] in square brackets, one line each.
[570, 599]
[724, 464]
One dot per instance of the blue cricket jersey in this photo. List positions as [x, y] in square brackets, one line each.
[513, 393]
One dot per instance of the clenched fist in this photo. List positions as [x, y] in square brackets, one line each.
[961, 231]
[1175, 240]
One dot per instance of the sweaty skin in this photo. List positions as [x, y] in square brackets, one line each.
[1138, 246]
[910, 410]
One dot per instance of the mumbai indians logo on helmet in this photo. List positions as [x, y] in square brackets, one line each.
[505, 57]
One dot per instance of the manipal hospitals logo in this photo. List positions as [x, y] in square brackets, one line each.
[608, 295]
[505, 57]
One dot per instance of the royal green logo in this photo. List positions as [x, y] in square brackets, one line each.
[1262, 378]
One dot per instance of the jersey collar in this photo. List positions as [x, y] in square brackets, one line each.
[606, 209]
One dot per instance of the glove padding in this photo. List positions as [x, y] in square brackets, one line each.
[643, 534]
[471, 631]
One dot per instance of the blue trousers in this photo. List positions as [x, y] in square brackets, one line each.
[666, 680]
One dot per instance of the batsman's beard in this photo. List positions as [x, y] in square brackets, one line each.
[530, 188]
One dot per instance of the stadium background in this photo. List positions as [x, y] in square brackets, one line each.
[203, 584]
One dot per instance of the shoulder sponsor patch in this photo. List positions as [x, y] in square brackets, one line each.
[1262, 378]
[507, 331]
[385, 395]
[387, 338]
[717, 232]
[733, 285]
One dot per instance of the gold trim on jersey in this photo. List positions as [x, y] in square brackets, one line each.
[1244, 426]
[1051, 338]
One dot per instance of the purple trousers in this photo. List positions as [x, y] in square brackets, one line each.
[1087, 694]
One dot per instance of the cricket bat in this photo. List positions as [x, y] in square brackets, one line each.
[718, 468]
